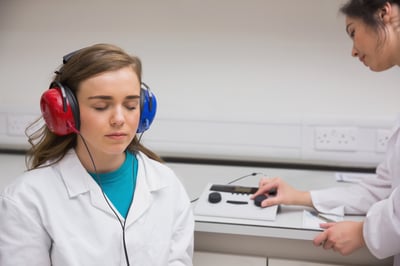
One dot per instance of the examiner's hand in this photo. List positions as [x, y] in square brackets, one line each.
[343, 237]
[285, 194]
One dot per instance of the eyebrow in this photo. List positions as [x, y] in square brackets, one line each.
[105, 97]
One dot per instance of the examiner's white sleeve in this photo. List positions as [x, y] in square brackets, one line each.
[382, 227]
[354, 199]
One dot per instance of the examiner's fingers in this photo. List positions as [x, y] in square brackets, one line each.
[269, 202]
[320, 239]
[263, 181]
[263, 189]
[328, 245]
[326, 225]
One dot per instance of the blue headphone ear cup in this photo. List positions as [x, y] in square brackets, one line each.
[148, 108]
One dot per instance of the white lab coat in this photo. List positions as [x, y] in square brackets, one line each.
[58, 216]
[378, 198]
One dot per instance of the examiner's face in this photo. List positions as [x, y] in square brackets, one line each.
[109, 110]
[369, 46]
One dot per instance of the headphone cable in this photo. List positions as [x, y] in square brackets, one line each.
[105, 198]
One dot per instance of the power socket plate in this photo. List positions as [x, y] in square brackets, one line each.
[17, 124]
[382, 138]
[336, 138]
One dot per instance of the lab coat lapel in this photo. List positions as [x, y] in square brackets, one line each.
[78, 181]
[141, 200]
[148, 182]
[99, 200]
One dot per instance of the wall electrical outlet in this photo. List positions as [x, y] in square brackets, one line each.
[336, 138]
[17, 123]
[382, 138]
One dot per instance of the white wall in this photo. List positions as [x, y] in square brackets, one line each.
[224, 60]
[220, 58]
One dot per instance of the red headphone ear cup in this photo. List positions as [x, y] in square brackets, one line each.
[57, 112]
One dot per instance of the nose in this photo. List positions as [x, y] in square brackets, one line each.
[354, 52]
[117, 118]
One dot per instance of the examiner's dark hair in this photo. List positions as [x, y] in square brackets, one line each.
[366, 10]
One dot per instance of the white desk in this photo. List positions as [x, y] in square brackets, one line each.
[283, 238]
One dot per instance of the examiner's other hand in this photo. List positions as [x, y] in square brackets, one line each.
[343, 237]
[285, 194]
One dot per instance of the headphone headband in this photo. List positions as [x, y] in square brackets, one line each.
[60, 108]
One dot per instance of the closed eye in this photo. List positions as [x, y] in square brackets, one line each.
[131, 107]
[132, 104]
[101, 107]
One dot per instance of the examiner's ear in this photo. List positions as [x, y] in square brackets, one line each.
[385, 12]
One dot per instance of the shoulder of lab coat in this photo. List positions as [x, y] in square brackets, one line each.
[22, 204]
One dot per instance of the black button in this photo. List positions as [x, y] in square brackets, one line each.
[214, 197]
[259, 199]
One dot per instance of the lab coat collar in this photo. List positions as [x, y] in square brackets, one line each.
[150, 173]
[76, 178]
[78, 181]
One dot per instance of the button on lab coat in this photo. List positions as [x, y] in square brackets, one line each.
[58, 216]
[378, 198]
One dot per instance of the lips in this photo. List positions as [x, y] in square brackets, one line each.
[116, 135]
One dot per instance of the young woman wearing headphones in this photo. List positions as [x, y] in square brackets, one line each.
[93, 194]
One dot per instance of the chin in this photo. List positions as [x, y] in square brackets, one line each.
[117, 150]
[375, 69]
[380, 68]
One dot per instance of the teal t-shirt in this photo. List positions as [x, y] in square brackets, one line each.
[119, 185]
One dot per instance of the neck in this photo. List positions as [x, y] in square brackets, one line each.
[97, 161]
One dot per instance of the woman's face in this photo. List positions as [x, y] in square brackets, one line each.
[371, 46]
[109, 106]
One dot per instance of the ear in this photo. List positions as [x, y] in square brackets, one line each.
[385, 13]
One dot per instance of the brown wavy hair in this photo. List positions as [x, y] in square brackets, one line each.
[48, 148]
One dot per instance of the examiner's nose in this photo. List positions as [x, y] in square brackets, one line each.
[354, 52]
